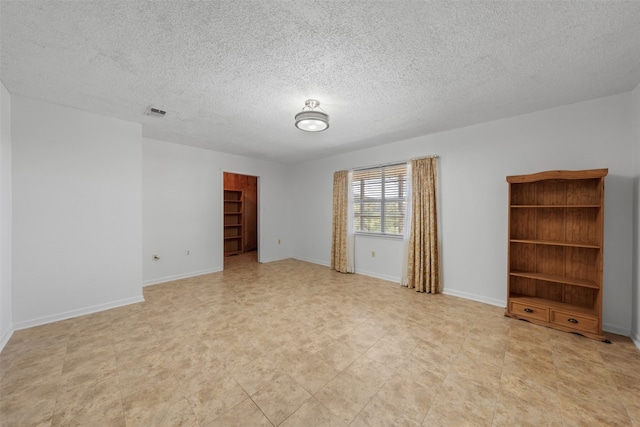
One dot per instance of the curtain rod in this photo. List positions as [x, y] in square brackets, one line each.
[359, 168]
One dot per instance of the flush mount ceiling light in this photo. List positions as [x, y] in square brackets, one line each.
[310, 120]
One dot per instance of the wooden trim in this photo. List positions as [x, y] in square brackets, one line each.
[556, 279]
[558, 174]
[555, 243]
[554, 206]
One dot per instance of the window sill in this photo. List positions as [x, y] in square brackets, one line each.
[380, 235]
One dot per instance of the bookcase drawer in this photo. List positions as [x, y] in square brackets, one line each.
[531, 311]
[569, 320]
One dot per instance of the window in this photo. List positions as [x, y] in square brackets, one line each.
[379, 199]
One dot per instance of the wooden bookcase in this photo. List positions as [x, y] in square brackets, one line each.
[233, 211]
[555, 250]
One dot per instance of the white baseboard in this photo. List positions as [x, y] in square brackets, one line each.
[614, 329]
[312, 261]
[165, 279]
[6, 337]
[76, 313]
[393, 279]
[265, 260]
[635, 337]
[363, 272]
[474, 297]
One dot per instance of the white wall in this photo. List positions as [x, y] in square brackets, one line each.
[182, 209]
[378, 256]
[6, 324]
[76, 212]
[474, 162]
[635, 328]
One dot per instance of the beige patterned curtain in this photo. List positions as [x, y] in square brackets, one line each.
[342, 241]
[424, 252]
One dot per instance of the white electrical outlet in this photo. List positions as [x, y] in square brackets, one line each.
[188, 252]
[373, 254]
[278, 241]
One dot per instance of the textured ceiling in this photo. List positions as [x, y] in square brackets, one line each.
[232, 74]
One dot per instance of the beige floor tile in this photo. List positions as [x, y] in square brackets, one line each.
[370, 372]
[540, 370]
[387, 355]
[628, 390]
[338, 355]
[211, 395]
[591, 391]
[91, 339]
[575, 374]
[525, 402]
[489, 349]
[256, 375]
[531, 333]
[447, 337]
[245, 413]
[573, 351]
[160, 402]
[177, 413]
[624, 362]
[461, 401]
[138, 334]
[362, 338]
[56, 331]
[288, 355]
[336, 328]
[379, 413]
[631, 404]
[534, 351]
[43, 357]
[473, 367]
[308, 343]
[313, 373]
[313, 413]
[577, 412]
[427, 375]
[280, 398]
[138, 365]
[400, 340]
[81, 367]
[185, 358]
[406, 397]
[97, 403]
[619, 345]
[345, 396]
[315, 343]
[435, 354]
[31, 379]
[26, 410]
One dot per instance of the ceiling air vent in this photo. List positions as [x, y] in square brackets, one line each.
[155, 112]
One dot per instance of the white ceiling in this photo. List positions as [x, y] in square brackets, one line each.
[232, 74]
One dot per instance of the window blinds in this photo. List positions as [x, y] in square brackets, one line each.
[379, 199]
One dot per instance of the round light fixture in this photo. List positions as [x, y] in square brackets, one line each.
[310, 120]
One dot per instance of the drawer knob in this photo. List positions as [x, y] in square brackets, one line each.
[572, 320]
[528, 310]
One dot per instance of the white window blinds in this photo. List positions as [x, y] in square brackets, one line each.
[379, 199]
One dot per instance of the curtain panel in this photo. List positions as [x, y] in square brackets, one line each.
[423, 269]
[342, 241]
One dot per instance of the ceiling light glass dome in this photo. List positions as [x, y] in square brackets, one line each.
[311, 120]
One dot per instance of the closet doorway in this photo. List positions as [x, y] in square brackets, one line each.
[240, 214]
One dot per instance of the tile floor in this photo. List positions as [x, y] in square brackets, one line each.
[290, 343]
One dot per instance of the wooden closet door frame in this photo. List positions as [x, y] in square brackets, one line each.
[258, 201]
